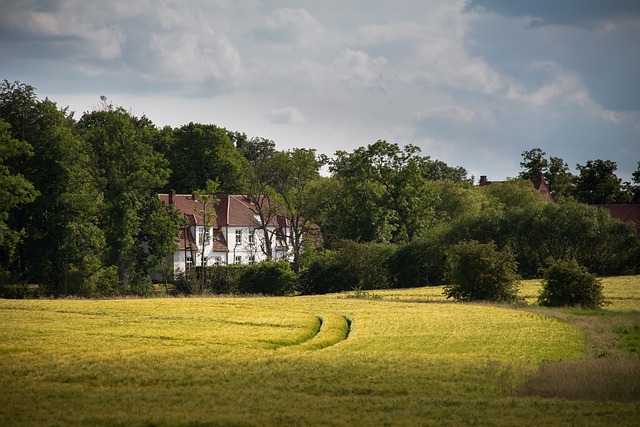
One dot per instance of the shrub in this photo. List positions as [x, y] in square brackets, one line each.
[268, 277]
[479, 272]
[566, 283]
[326, 273]
[419, 263]
[369, 263]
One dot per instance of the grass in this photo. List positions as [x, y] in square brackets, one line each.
[396, 359]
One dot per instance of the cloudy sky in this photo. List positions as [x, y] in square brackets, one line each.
[471, 82]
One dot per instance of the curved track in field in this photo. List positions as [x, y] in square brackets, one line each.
[334, 328]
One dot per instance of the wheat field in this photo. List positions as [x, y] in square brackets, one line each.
[394, 357]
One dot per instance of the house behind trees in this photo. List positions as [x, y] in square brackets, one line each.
[235, 237]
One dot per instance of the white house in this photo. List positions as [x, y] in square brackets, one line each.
[236, 235]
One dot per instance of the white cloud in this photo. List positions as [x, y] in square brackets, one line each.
[289, 29]
[287, 116]
[357, 68]
[192, 58]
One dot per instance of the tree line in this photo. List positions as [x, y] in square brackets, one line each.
[80, 213]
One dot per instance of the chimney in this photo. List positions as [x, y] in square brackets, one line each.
[172, 197]
[483, 180]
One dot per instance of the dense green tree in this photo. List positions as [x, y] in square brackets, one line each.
[555, 171]
[421, 262]
[205, 152]
[571, 230]
[349, 209]
[597, 183]
[63, 243]
[256, 150]
[533, 164]
[400, 174]
[479, 272]
[159, 235]
[559, 179]
[128, 172]
[517, 193]
[15, 190]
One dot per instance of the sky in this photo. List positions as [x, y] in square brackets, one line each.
[473, 83]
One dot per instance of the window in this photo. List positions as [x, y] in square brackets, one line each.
[238, 237]
[252, 238]
[217, 260]
[238, 259]
[189, 259]
[252, 259]
[207, 237]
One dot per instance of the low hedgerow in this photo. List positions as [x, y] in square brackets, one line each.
[268, 277]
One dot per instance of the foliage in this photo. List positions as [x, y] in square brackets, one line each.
[289, 174]
[202, 152]
[419, 263]
[400, 176]
[351, 266]
[128, 172]
[268, 278]
[566, 283]
[63, 243]
[479, 272]
[15, 189]
[326, 273]
[570, 230]
[597, 183]
[555, 171]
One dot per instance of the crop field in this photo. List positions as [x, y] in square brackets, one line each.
[393, 357]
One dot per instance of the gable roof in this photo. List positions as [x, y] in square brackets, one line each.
[231, 210]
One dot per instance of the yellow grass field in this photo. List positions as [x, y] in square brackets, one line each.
[401, 357]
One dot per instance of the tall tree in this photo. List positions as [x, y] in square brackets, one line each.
[559, 179]
[15, 190]
[533, 164]
[256, 150]
[401, 174]
[63, 244]
[205, 152]
[597, 183]
[128, 172]
[555, 171]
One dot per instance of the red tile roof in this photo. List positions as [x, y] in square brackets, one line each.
[625, 213]
[231, 210]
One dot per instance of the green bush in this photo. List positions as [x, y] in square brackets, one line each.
[268, 277]
[326, 273]
[419, 263]
[369, 262]
[479, 272]
[567, 283]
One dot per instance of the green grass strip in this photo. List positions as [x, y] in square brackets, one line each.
[334, 328]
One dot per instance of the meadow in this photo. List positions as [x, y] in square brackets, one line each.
[392, 357]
